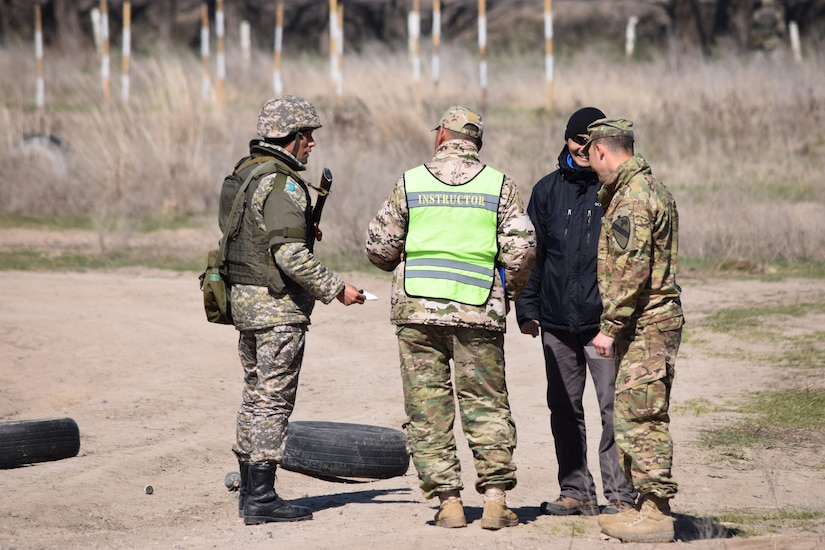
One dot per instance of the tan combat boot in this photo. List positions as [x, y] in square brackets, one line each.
[451, 512]
[496, 515]
[651, 523]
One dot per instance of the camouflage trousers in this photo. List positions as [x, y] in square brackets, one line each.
[641, 419]
[271, 360]
[429, 400]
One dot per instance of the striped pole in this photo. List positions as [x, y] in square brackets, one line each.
[95, 15]
[40, 93]
[104, 42]
[436, 62]
[793, 33]
[548, 53]
[277, 82]
[333, 44]
[630, 36]
[246, 42]
[205, 51]
[414, 31]
[127, 51]
[221, 56]
[339, 57]
[482, 50]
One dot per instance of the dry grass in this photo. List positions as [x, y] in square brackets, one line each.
[739, 140]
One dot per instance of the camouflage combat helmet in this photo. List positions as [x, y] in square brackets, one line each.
[282, 116]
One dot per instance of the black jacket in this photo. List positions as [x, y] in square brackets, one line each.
[562, 292]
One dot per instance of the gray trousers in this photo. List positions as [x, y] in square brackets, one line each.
[566, 364]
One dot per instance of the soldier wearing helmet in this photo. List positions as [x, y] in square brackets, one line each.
[275, 281]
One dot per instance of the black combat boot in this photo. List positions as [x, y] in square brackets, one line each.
[262, 504]
[243, 490]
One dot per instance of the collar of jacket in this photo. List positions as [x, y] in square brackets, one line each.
[576, 174]
[623, 174]
[259, 147]
[456, 148]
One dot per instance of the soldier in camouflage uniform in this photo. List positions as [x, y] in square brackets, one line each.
[452, 229]
[641, 324]
[276, 280]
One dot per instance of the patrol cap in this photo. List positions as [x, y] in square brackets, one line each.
[463, 120]
[608, 127]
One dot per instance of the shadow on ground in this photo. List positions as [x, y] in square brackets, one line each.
[690, 528]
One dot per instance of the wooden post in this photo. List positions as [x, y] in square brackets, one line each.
[414, 31]
[127, 51]
[793, 33]
[339, 57]
[221, 55]
[205, 51]
[482, 50]
[436, 60]
[104, 43]
[246, 42]
[95, 15]
[548, 54]
[333, 44]
[277, 82]
[40, 93]
[630, 36]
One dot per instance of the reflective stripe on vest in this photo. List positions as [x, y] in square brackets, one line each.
[451, 243]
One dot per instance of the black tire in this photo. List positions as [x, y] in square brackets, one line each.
[338, 449]
[30, 441]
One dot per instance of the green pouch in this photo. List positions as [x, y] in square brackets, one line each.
[216, 301]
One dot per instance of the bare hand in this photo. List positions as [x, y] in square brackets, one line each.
[531, 327]
[603, 345]
[350, 295]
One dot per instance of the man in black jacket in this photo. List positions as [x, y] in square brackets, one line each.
[562, 303]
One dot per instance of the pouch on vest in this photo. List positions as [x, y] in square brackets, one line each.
[215, 289]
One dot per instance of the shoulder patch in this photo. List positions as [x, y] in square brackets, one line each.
[289, 187]
[622, 231]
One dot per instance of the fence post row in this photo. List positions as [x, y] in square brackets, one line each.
[100, 27]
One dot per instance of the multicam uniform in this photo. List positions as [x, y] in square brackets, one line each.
[433, 331]
[643, 312]
[272, 316]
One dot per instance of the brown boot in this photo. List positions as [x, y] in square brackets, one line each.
[651, 523]
[496, 515]
[451, 512]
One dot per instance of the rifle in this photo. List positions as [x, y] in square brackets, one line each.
[325, 186]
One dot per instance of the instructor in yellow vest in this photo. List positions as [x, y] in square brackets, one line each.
[451, 229]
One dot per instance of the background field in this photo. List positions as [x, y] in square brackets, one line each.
[738, 138]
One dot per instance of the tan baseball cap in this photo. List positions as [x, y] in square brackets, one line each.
[463, 120]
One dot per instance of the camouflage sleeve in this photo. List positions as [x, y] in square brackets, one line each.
[625, 253]
[387, 231]
[516, 240]
[301, 265]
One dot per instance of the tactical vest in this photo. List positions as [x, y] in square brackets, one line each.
[248, 259]
[451, 244]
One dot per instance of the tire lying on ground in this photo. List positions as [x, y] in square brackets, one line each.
[340, 449]
[30, 441]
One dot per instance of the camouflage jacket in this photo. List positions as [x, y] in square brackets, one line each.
[254, 307]
[637, 249]
[455, 162]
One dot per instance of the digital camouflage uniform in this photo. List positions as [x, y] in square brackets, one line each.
[273, 321]
[431, 332]
[643, 312]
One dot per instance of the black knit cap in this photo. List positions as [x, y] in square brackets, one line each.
[580, 120]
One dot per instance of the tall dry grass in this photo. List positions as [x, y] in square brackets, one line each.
[738, 140]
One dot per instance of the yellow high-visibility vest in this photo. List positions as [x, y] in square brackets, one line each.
[451, 244]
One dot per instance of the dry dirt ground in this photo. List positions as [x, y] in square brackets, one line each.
[154, 389]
